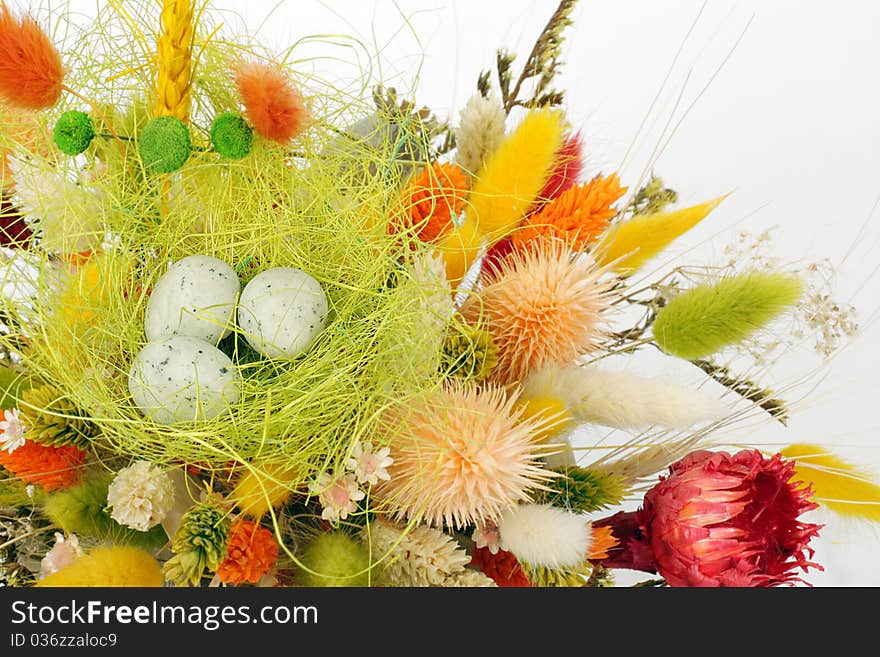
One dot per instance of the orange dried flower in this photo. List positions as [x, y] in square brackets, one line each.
[52, 468]
[603, 541]
[31, 73]
[578, 216]
[431, 200]
[251, 553]
[502, 567]
[274, 107]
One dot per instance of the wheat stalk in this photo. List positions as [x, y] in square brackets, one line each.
[174, 71]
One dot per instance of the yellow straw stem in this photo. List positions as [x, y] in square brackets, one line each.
[174, 74]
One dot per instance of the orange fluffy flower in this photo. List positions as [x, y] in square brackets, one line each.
[52, 468]
[542, 305]
[274, 107]
[578, 216]
[431, 200]
[31, 73]
[251, 553]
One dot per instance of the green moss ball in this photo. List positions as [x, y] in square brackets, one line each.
[231, 136]
[164, 144]
[336, 559]
[74, 132]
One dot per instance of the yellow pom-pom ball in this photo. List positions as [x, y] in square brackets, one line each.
[118, 566]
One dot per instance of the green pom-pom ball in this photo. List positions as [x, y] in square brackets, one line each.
[165, 144]
[231, 136]
[74, 132]
[335, 559]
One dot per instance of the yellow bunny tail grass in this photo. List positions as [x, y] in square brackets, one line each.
[261, 489]
[550, 411]
[119, 566]
[515, 173]
[460, 247]
[174, 74]
[837, 485]
[709, 317]
[631, 244]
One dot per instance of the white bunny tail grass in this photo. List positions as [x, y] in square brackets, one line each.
[545, 535]
[622, 400]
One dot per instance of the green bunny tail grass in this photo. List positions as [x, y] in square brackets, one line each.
[83, 510]
[583, 489]
[333, 559]
[702, 321]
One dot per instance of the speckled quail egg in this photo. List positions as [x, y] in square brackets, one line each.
[282, 311]
[195, 297]
[182, 379]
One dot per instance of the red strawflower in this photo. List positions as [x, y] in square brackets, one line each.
[722, 520]
[251, 553]
[501, 567]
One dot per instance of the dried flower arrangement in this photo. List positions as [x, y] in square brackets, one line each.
[261, 334]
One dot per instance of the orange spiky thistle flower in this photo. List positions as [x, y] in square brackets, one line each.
[274, 107]
[461, 456]
[31, 73]
[431, 200]
[541, 305]
[578, 216]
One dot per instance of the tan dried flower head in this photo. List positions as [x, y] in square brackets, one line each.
[544, 305]
[461, 456]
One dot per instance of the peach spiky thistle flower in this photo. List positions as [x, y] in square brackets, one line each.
[542, 305]
[461, 456]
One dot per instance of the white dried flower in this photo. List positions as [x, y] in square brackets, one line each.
[487, 536]
[66, 215]
[417, 556]
[140, 496]
[62, 554]
[338, 495]
[12, 431]
[480, 131]
[544, 535]
[469, 578]
[369, 466]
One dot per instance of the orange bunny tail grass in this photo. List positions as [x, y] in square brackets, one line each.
[274, 107]
[578, 216]
[602, 541]
[31, 73]
[837, 485]
[51, 468]
[431, 200]
[541, 305]
[461, 456]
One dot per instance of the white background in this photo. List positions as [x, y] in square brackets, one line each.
[776, 100]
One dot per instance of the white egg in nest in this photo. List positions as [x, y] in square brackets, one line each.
[195, 297]
[281, 311]
[183, 379]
